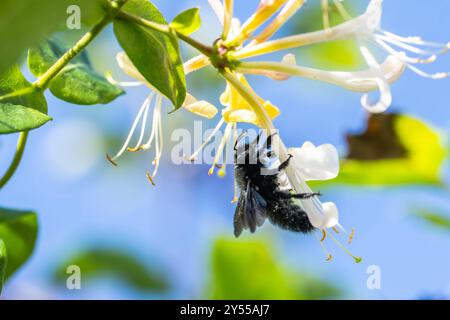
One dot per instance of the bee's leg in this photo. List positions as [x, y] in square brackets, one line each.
[305, 195]
[244, 132]
[285, 163]
[288, 195]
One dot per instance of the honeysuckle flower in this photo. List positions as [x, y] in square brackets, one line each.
[201, 108]
[366, 30]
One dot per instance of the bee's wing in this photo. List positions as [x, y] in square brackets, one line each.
[250, 211]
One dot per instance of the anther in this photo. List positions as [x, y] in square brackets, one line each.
[149, 177]
[352, 234]
[324, 235]
[111, 160]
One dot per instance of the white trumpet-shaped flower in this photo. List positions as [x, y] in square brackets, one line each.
[154, 101]
[370, 31]
[366, 30]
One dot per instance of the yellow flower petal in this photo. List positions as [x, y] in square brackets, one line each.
[237, 108]
[201, 108]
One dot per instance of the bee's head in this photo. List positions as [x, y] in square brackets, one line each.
[253, 152]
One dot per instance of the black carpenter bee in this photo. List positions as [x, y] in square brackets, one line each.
[265, 195]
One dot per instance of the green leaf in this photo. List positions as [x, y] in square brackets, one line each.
[2, 264]
[24, 23]
[154, 54]
[77, 83]
[425, 154]
[13, 80]
[18, 230]
[15, 118]
[187, 22]
[24, 111]
[101, 262]
[439, 220]
[249, 270]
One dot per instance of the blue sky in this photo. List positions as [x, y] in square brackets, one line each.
[82, 200]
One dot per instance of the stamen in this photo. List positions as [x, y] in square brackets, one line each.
[409, 48]
[335, 230]
[444, 48]
[159, 137]
[208, 139]
[222, 144]
[111, 160]
[435, 76]
[130, 134]
[328, 255]
[342, 11]
[149, 142]
[325, 14]
[352, 234]
[149, 177]
[144, 123]
[357, 259]
[402, 55]
[324, 235]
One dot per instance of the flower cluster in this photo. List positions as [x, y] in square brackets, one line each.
[241, 104]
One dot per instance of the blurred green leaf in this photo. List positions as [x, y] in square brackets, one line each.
[14, 118]
[21, 112]
[2, 264]
[24, 23]
[425, 154]
[77, 83]
[336, 55]
[18, 230]
[155, 55]
[187, 22]
[439, 220]
[101, 262]
[248, 270]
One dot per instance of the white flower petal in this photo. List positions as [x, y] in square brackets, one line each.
[128, 67]
[385, 99]
[330, 215]
[217, 7]
[315, 163]
[373, 14]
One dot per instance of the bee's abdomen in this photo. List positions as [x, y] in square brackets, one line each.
[287, 215]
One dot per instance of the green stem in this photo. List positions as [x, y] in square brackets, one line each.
[16, 160]
[164, 28]
[44, 80]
